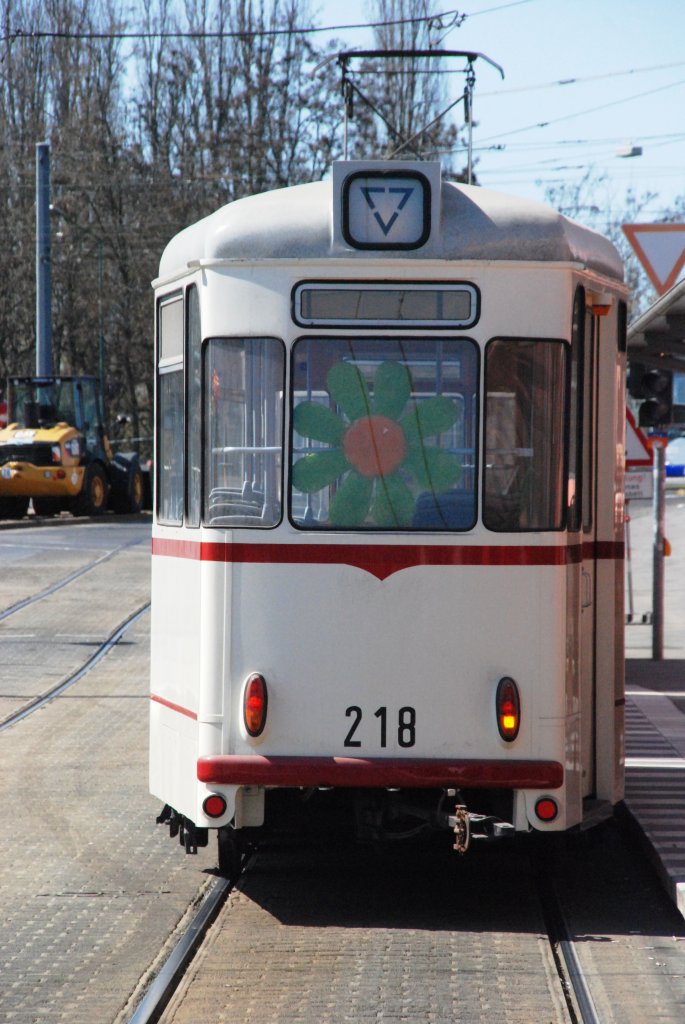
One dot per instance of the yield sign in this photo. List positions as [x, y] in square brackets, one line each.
[660, 249]
[638, 452]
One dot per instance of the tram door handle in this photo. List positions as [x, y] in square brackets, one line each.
[586, 600]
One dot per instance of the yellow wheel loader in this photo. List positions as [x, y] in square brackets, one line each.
[55, 452]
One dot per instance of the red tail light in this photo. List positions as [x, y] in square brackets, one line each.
[546, 808]
[508, 709]
[255, 702]
[214, 805]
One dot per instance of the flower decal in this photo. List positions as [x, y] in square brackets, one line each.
[377, 446]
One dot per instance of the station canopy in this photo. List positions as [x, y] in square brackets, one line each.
[657, 337]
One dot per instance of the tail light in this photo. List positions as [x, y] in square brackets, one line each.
[508, 705]
[546, 808]
[255, 703]
[214, 805]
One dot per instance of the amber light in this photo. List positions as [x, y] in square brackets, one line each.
[214, 805]
[255, 702]
[508, 706]
[546, 808]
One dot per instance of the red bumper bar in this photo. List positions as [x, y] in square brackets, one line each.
[258, 770]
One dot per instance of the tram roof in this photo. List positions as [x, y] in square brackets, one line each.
[475, 224]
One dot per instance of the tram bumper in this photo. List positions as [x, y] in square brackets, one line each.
[357, 772]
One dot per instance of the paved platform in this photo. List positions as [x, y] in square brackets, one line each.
[655, 700]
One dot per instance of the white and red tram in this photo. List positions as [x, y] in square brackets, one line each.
[388, 526]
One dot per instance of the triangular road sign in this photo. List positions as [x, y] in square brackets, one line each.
[638, 452]
[660, 249]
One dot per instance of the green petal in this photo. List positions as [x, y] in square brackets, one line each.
[318, 423]
[429, 418]
[351, 502]
[312, 472]
[393, 503]
[391, 390]
[434, 469]
[347, 387]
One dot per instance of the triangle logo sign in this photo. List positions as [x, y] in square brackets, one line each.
[660, 249]
[386, 203]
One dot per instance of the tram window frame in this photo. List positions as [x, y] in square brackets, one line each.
[374, 322]
[193, 407]
[576, 408]
[170, 489]
[232, 519]
[589, 422]
[509, 516]
[433, 515]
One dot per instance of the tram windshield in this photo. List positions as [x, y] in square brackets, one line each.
[384, 433]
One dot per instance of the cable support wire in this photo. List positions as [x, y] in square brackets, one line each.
[228, 34]
[582, 113]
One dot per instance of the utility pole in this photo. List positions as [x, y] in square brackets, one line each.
[44, 364]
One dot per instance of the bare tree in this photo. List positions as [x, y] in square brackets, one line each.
[591, 201]
[399, 100]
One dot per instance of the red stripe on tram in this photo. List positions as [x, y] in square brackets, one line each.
[382, 560]
[173, 707]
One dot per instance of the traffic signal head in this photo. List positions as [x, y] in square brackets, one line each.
[654, 388]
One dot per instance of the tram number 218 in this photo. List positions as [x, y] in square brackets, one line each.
[406, 726]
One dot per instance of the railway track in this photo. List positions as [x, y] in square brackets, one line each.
[48, 616]
[101, 652]
[574, 993]
[64, 581]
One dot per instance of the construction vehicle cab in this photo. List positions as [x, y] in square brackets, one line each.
[55, 451]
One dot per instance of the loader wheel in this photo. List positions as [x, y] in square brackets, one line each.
[92, 501]
[128, 486]
[13, 508]
[136, 489]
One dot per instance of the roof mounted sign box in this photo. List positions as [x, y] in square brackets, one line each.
[385, 205]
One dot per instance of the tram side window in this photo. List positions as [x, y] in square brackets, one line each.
[170, 413]
[525, 384]
[243, 408]
[384, 434]
[194, 426]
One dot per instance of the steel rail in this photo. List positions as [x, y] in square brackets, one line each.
[166, 982]
[103, 650]
[64, 582]
[577, 994]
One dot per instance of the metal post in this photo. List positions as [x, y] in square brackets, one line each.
[44, 364]
[101, 341]
[659, 509]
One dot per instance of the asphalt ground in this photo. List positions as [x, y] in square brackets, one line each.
[92, 891]
[655, 695]
[83, 923]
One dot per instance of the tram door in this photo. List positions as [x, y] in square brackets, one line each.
[588, 611]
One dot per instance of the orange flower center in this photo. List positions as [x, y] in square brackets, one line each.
[375, 445]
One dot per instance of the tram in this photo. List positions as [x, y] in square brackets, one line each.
[387, 555]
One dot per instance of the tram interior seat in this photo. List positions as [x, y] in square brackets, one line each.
[451, 510]
[228, 507]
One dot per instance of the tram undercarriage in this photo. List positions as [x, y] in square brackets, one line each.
[372, 816]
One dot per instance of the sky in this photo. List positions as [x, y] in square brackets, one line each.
[604, 77]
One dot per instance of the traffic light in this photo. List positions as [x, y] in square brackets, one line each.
[654, 388]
